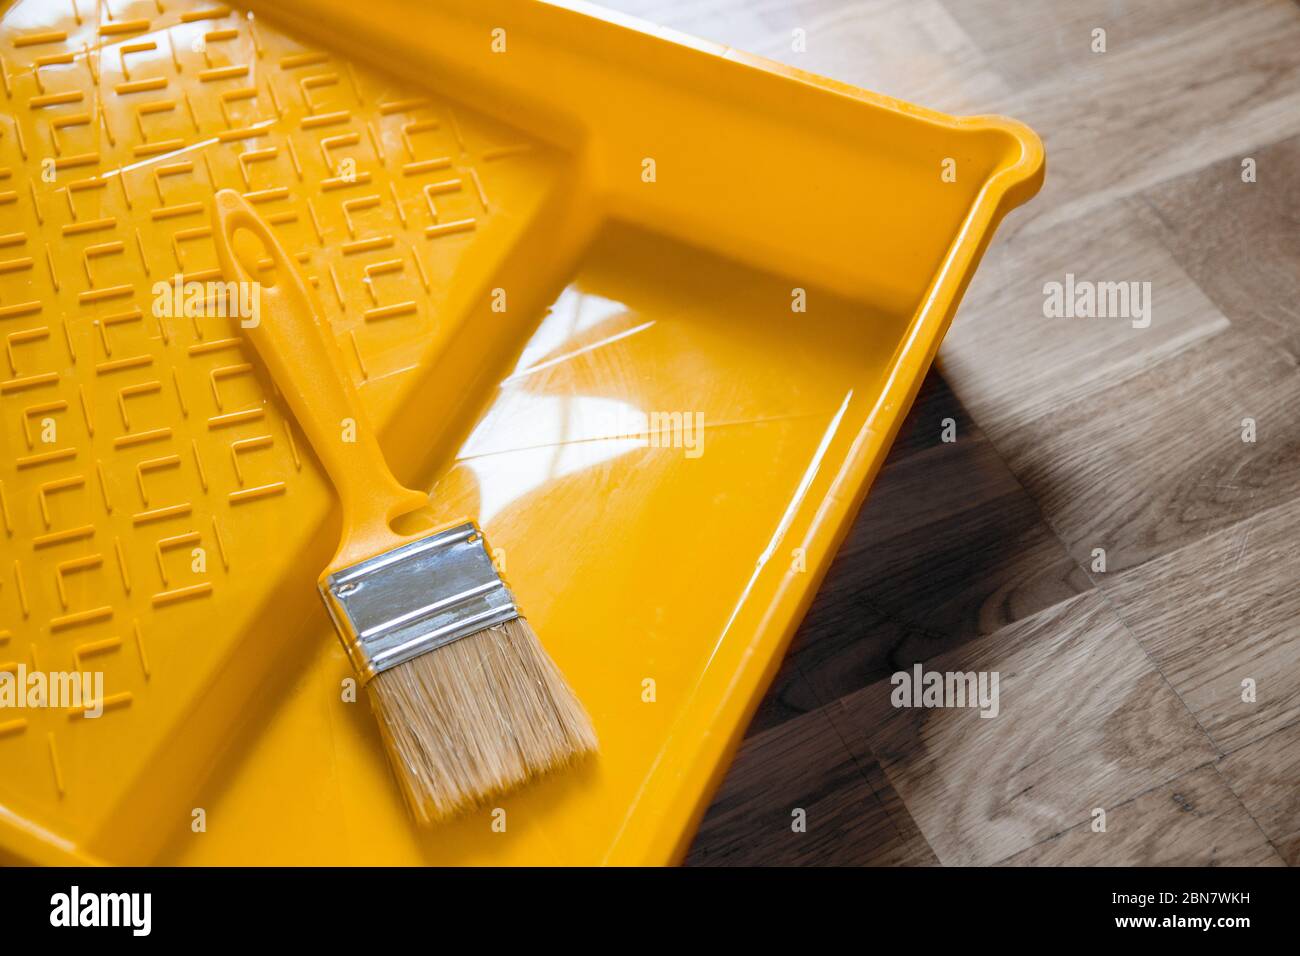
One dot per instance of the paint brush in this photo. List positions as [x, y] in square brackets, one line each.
[468, 702]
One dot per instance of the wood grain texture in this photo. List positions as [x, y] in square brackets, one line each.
[949, 548]
[1264, 776]
[1012, 365]
[802, 767]
[1239, 241]
[935, 408]
[1216, 614]
[1205, 91]
[1034, 42]
[912, 49]
[1193, 820]
[1158, 461]
[789, 696]
[1084, 721]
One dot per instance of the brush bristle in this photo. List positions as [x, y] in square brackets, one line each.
[477, 717]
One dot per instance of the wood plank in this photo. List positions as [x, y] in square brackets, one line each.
[912, 848]
[1200, 93]
[1239, 241]
[1084, 721]
[935, 412]
[1036, 41]
[911, 49]
[1194, 820]
[948, 548]
[1266, 776]
[789, 697]
[1011, 364]
[1157, 462]
[802, 765]
[1215, 614]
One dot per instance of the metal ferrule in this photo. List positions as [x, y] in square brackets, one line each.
[414, 599]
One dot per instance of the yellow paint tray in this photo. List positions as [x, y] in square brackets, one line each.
[651, 308]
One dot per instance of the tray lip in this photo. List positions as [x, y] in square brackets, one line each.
[1010, 185]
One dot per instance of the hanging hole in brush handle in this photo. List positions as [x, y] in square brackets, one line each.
[294, 342]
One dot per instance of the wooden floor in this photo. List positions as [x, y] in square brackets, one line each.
[1122, 689]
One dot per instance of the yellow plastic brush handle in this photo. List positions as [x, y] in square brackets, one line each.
[295, 343]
